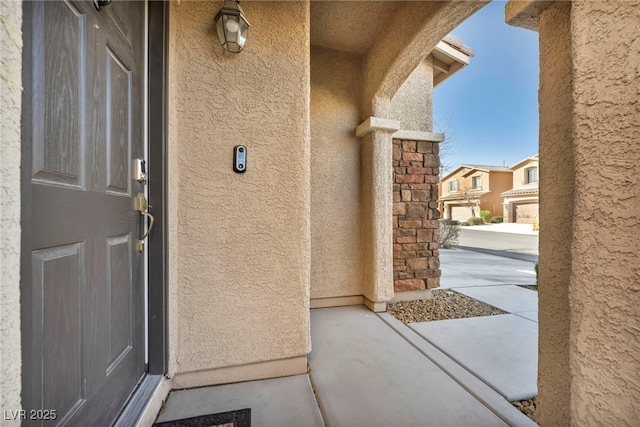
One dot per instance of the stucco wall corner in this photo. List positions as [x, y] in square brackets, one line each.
[173, 199]
[336, 249]
[10, 99]
[240, 291]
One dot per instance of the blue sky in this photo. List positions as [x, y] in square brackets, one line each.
[490, 108]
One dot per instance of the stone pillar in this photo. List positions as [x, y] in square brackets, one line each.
[377, 210]
[416, 262]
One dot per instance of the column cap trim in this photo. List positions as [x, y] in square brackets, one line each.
[524, 13]
[373, 124]
[416, 135]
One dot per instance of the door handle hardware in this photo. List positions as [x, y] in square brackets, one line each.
[140, 170]
[141, 206]
[99, 3]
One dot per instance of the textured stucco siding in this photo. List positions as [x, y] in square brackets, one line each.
[10, 99]
[377, 216]
[556, 213]
[496, 182]
[402, 43]
[336, 252]
[605, 285]
[520, 175]
[241, 288]
[412, 104]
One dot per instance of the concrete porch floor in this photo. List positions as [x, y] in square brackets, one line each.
[366, 369]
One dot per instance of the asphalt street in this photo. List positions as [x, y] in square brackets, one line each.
[463, 268]
[511, 245]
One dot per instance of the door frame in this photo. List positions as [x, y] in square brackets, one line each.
[158, 22]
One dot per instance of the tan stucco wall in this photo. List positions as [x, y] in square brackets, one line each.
[496, 182]
[377, 216]
[589, 350]
[336, 252]
[519, 174]
[605, 285]
[462, 183]
[556, 201]
[241, 288]
[402, 43]
[412, 104]
[10, 99]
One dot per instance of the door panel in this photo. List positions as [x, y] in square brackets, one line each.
[85, 351]
[58, 276]
[57, 149]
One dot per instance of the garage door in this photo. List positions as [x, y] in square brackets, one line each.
[460, 213]
[526, 213]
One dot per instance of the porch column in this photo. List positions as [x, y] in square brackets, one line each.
[377, 203]
[589, 349]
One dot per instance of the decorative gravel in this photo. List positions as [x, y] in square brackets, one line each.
[443, 304]
[527, 407]
[530, 287]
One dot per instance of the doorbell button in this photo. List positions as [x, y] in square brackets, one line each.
[240, 159]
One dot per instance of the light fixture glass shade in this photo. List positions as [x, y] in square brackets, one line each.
[232, 26]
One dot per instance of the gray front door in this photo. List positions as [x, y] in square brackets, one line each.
[82, 276]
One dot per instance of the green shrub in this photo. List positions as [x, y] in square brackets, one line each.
[475, 221]
[535, 267]
[496, 220]
[536, 226]
[464, 224]
[485, 215]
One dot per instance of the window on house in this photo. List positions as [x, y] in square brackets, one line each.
[453, 186]
[531, 175]
[476, 182]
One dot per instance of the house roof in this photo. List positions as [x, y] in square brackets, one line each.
[458, 44]
[481, 168]
[520, 192]
[486, 168]
[468, 195]
[449, 56]
[529, 159]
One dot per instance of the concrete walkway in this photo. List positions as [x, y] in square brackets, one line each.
[366, 370]
[501, 350]
[372, 370]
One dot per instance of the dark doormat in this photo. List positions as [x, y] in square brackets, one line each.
[239, 418]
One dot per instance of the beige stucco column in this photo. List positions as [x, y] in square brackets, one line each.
[589, 347]
[377, 178]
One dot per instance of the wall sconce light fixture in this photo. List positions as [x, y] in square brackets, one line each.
[232, 26]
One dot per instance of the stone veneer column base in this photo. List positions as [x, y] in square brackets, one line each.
[416, 170]
[240, 373]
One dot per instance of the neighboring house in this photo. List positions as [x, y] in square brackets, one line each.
[221, 291]
[521, 203]
[469, 189]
